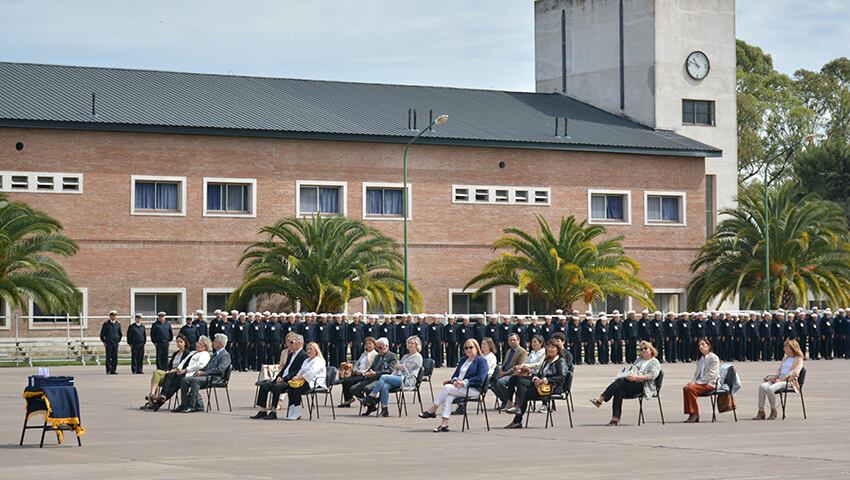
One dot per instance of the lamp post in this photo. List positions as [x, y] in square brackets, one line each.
[440, 120]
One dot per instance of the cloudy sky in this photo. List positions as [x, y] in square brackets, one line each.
[464, 43]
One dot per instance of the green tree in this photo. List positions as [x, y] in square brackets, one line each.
[827, 93]
[564, 267]
[809, 251]
[323, 263]
[825, 169]
[30, 241]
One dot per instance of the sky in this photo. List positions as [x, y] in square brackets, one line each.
[461, 43]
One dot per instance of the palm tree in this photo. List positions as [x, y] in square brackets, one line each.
[30, 241]
[563, 269]
[809, 251]
[323, 263]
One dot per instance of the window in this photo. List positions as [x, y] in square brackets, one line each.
[39, 182]
[526, 304]
[150, 301]
[665, 208]
[697, 112]
[215, 299]
[710, 204]
[41, 319]
[385, 201]
[323, 198]
[229, 197]
[158, 195]
[667, 302]
[609, 304]
[483, 194]
[612, 207]
[465, 303]
[4, 315]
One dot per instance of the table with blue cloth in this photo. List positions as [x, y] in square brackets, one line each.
[60, 405]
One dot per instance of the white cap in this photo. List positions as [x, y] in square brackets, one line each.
[160, 314]
[421, 316]
[603, 316]
[273, 315]
[657, 312]
[559, 311]
[630, 312]
[357, 314]
[588, 313]
[113, 312]
[199, 312]
[644, 311]
[234, 312]
[217, 310]
[266, 313]
[138, 315]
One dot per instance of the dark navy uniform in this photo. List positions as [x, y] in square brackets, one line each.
[603, 341]
[435, 343]
[778, 328]
[712, 328]
[546, 330]
[671, 339]
[813, 336]
[827, 335]
[630, 335]
[656, 332]
[588, 341]
[800, 333]
[765, 339]
[739, 336]
[191, 333]
[356, 337]
[136, 339]
[753, 343]
[450, 338]
[521, 329]
[574, 341]
[505, 329]
[240, 340]
[492, 330]
[216, 326]
[256, 345]
[339, 342]
[273, 342]
[727, 331]
[161, 336]
[683, 339]
[110, 335]
[323, 335]
[370, 330]
[699, 330]
[201, 326]
[644, 329]
[533, 330]
[309, 331]
[615, 333]
[402, 332]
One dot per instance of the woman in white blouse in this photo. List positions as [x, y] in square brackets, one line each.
[187, 368]
[312, 374]
[488, 346]
[785, 377]
[705, 377]
[177, 358]
[357, 370]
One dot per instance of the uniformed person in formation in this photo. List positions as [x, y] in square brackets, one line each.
[827, 334]
[712, 327]
[402, 332]
[229, 324]
[161, 336]
[190, 332]
[450, 339]
[339, 341]
[546, 329]
[136, 339]
[603, 339]
[240, 343]
[217, 324]
[435, 341]
[588, 338]
[753, 342]
[644, 326]
[493, 330]
[765, 337]
[671, 337]
[532, 326]
[200, 324]
[356, 336]
[615, 333]
[110, 335]
[521, 329]
[840, 333]
[630, 335]
[813, 334]
[800, 331]
[739, 339]
[505, 329]
[683, 337]
[574, 338]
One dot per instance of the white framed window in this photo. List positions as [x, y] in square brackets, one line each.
[5, 315]
[41, 182]
[464, 303]
[611, 207]
[320, 197]
[525, 304]
[501, 195]
[664, 208]
[41, 320]
[150, 301]
[230, 197]
[385, 201]
[215, 299]
[669, 299]
[157, 195]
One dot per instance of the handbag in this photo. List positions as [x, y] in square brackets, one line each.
[296, 383]
[544, 389]
[345, 370]
[725, 403]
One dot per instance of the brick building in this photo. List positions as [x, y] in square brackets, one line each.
[165, 178]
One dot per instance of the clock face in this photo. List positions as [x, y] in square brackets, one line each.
[698, 65]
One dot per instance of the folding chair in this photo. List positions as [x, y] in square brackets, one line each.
[564, 395]
[313, 394]
[212, 389]
[658, 381]
[399, 393]
[722, 388]
[783, 394]
[479, 401]
[428, 367]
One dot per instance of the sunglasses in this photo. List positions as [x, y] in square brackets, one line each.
[470, 347]
[643, 349]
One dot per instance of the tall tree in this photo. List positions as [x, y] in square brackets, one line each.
[323, 263]
[30, 242]
[828, 94]
[825, 169]
[564, 267]
[809, 251]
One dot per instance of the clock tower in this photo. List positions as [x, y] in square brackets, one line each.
[668, 64]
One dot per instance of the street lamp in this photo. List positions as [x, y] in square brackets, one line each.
[792, 150]
[440, 120]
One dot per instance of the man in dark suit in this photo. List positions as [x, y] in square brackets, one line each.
[279, 384]
[161, 336]
[136, 339]
[214, 371]
[110, 335]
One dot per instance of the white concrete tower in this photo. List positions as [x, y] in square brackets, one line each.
[668, 64]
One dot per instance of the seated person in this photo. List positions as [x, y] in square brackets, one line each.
[523, 370]
[487, 349]
[565, 352]
[213, 372]
[280, 384]
[193, 362]
[467, 380]
[404, 374]
[514, 355]
[312, 374]
[177, 358]
[785, 376]
[358, 369]
[383, 364]
[639, 379]
[551, 372]
[705, 376]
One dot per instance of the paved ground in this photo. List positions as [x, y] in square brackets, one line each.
[124, 442]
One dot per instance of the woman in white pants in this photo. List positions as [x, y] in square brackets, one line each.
[469, 377]
[786, 374]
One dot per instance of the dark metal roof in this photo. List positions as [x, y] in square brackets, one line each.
[144, 100]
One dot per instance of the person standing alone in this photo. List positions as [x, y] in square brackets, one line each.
[136, 339]
[110, 335]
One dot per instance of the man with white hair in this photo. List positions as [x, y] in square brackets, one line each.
[280, 384]
[383, 364]
[200, 324]
[213, 372]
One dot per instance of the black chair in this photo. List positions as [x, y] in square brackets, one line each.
[428, 367]
[401, 400]
[550, 401]
[478, 400]
[783, 394]
[723, 387]
[658, 381]
[313, 394]
[213, 387]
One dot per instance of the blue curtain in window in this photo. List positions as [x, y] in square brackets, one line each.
[393, 202]
[374, 201]
[670, 209]
[145, 195]
[235, 198]
[166, 196]
[309, 200]
[329, 200]
[615, 208]
[214, 197]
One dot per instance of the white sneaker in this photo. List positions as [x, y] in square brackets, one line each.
[542, 409]
[294, 412]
